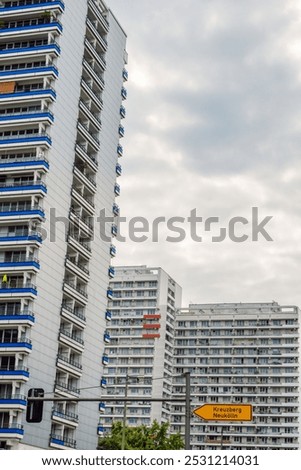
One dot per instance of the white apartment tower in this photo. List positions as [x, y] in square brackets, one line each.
[62, 74]
[240, 353]
[140, 353]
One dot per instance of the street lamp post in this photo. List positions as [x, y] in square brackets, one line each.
[124, 413]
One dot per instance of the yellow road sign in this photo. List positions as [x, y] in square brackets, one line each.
[224, 412]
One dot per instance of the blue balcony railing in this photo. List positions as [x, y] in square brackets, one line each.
[18, 288]
[30, 161]
[12, 429]
[113, 250]
[26, 139]
[9, 210]
[62, 441]
[21, 236]
[117, 189]
[103, 382]
[47, 4]
[19, 95]
[120, 150]
[30, 115]
[20, 50]
[118, 170]
[108, 315]
[33, 186]
[111, 272]
[105, 360]
[44, 70]
[116, 209]
[18, 371]
[26, 262]
[31, 28]
[22, 343]
[18, 316]
[107, 338]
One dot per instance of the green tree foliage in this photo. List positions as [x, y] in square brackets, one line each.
[141, 438]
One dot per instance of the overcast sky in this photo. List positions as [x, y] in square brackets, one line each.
[214, 124]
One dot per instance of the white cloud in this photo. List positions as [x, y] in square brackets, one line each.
[214, 124]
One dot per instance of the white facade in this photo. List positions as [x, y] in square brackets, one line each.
[240, 353]
[140, 344]
[61, 92]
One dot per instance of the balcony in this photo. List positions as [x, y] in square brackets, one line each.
[117, 189]
[26, 29]
[91, 116]
[110, 294]
[75, 315]
[13, 402]
[101, 41]
[66, 389]
[103, 382]
[21, 188]
[81, 152]
[21, 238]
[12, 431]
[95, 98]
[113, 251]
[11, 211]
[68, 365]
[45, 117]
[65, 417]
[122, 111]
[25, 140]
[61, 442]
[23, 345]
[86, 180]
[120, 150]
[84, 201]
[77, 268]
[118, 170]
[111, 272]
[121, 132]
[51, 49]
[94, 74]
[125, 75]
[17, 318]
[108, 315]
[49, 71]
[102, 407]
[124, 93]
[114, 230]
[107, 338]
[20, 374]
[96, 55]
[24, 290]
[100, 430]
[104, 22]
[87, 134]
[56, 6]
[28, 263]
[48, 94]
[75, 292]
[80, 245]
[105, 360]
[82, 222]
[19, 163]
[152, 326]
[116, 210]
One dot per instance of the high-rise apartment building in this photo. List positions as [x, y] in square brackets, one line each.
[61, 92]
[240, 354]
[140, 349]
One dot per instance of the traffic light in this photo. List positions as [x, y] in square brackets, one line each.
[34, 411]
